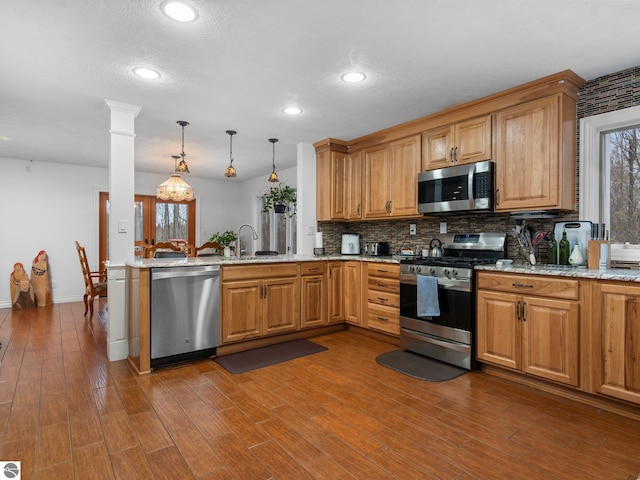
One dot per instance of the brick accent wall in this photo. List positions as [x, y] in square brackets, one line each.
[603, 94]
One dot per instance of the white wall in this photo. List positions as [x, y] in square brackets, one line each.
[54, 204]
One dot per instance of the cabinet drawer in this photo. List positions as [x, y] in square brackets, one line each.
[529, 285]
[253, 271]
[383, 298]
[386, 270]
[383, 284]
[312, 268]
[383, 318]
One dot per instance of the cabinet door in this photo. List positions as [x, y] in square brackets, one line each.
[377, 182]
[405, 166]
[527, 156]
[280, 305]
[473, 140]
[353, 183]
[241, 311]
[352, 295]
[616, 330]
[498, 329]
[336, 292]
[550, 339]
[339, 186]
[436, 148]
[313, 304]
[323, 185]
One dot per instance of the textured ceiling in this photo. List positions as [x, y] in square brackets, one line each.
[241, 62]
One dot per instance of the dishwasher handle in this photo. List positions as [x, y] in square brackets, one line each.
[182, 272]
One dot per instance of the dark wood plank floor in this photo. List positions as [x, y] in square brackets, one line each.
[66, 412]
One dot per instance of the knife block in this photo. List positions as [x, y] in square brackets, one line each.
[593, 253]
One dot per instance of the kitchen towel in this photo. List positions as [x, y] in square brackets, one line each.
[428, 305]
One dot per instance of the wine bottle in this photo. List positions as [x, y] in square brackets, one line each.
[564, 249]
[552, 258]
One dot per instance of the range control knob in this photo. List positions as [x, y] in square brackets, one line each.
[432, 270]
[446, 271]
[411, 268]
[454, 272]
[418, 269]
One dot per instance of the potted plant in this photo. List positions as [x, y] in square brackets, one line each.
[224, 239]
[280, 199]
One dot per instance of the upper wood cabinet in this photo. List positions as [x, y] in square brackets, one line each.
[462, 142]
[391, 179]
[339, 183]
[535, 155]
[616, 348]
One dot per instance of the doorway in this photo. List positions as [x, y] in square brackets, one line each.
[155, 221]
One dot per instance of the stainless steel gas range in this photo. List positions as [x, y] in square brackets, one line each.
[449, 336]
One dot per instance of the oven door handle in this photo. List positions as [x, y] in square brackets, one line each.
[451, 345]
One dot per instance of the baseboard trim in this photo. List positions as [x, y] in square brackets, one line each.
[117, 350]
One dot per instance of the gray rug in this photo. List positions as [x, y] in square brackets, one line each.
[270, 355]
[419, 367]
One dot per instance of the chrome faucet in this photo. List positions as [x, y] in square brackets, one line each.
[255, 237]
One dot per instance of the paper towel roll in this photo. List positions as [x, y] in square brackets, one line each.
[318, 240]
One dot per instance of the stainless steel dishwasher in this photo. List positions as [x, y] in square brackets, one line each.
[185, 313]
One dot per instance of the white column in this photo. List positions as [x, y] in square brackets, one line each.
[121, 221]
[306, 185]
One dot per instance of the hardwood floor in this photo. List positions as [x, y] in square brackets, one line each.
[66, 412]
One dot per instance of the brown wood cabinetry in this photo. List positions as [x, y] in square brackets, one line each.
[535, 155]
[616, 346]
[339, 182]
[391, 179]
[258, 301]
[352, 292]
[313, 294]
[335, 283]
[529, 324]
[462, 142]
[383, 297]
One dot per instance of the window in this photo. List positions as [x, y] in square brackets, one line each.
[610, 177]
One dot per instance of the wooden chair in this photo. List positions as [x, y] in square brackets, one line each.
[205, 250]
[95, 283]
[164, 250]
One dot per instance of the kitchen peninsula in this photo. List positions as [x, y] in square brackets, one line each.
[268, 299]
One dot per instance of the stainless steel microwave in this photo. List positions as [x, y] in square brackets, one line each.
[461, 188]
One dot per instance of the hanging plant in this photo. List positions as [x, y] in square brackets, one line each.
[280, 199]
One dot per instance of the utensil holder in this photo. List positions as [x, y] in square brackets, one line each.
[593, 253]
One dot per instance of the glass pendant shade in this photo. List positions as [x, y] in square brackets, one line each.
[231, 171]
[175, 188]
[273, 176]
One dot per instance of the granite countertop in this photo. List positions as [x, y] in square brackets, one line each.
[249, 259]
[568, 271]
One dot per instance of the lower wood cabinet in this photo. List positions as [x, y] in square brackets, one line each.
[383, 297]
[313, 294]
[529, 324]
[258, 301]
[335, 283]
[352, 292]
[616, 340]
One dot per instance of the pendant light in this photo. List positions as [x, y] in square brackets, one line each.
[273, 176]
[175, 188]
[231, 171]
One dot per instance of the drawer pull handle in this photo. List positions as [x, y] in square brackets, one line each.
[382, 271]
[314, 269]
[522, 285]
[383, 299]
[382, 284]
[384, 319]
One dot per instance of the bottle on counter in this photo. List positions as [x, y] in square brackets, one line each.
[564, 249]
[552, 257]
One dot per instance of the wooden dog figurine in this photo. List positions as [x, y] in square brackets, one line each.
[40, 280]
[21, 292]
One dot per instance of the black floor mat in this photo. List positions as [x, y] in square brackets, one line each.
[417, 366]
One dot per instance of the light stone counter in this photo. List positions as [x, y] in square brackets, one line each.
[199, 261]
[574, 272]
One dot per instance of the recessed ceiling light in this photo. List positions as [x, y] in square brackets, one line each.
[353, 77]
[179, 11]
[4, 138]
[147, 73]
[292, 111]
